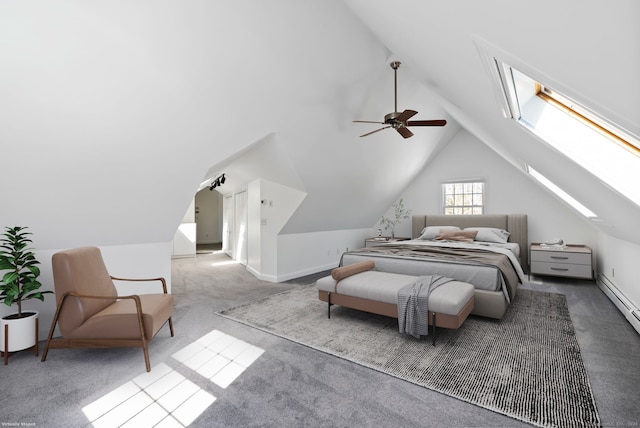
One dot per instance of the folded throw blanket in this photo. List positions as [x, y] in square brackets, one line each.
[413, 304]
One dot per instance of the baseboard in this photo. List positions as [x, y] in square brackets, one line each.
[260, 276]
[292, 275]
[305, 272]
[624, 305]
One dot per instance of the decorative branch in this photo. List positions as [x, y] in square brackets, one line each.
[400, 213]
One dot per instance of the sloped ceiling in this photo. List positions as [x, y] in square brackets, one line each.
[589, 49]
[112, 113]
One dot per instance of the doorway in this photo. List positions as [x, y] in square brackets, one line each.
[208, 218]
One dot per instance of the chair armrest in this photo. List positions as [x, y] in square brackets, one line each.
[90, 296]
[162, 280]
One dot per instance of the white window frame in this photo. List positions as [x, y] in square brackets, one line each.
[603, 146]
[471, 209]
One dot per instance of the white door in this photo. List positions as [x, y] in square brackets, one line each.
[240, 250]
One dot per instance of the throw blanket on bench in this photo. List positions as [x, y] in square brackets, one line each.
[413, 304]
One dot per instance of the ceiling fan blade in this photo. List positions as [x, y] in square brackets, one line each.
[426, 123]
[407, 114]
[377, 130]
[367, 121]
[404, 132]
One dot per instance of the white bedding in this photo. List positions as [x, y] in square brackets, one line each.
[509, 249]
[482, 277]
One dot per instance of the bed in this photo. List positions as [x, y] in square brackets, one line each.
[495, 269]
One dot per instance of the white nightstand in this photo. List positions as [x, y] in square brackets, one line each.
[573, 261]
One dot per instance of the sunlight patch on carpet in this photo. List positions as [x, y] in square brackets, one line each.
[161, 396]
[165, 398]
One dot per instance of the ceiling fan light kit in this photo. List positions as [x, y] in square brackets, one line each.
[400, 120]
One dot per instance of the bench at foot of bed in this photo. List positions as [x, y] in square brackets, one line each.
[377, 292]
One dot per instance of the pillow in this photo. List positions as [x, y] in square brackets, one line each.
[457, 235]
[490, 234]
[352, 269]
[430, 232]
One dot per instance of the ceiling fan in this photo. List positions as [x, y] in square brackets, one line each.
[400, 120]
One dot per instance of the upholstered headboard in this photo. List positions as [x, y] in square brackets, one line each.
[515, 224]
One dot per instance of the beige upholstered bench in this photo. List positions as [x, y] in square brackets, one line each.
[377, 292]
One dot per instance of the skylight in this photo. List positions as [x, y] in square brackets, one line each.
[609, 152]
[561, 193]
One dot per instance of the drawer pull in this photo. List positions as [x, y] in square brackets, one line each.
[561, 269]
[559, 258]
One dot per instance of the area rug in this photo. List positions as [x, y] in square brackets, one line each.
[527, 365]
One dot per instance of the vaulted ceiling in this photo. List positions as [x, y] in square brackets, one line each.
[586, 49]
[112, 113]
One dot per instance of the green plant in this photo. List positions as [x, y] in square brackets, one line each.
[21, 281]
[400, 213]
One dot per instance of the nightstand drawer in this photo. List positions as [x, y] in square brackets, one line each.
[561, 269]
[561, 257]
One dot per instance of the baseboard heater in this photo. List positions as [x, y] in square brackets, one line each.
[628, 309]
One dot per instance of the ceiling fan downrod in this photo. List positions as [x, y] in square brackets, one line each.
[395, 65]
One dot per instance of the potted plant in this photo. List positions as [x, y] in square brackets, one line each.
[400, 213]
[18, 283]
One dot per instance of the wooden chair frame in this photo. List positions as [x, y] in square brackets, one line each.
[142, 342]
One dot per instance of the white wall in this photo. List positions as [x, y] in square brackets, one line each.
[125, 261]
[465, 157]
[254, 213]
[507, 191]
[270, 206]
[184, 240]
[618, 261]
[302, 254]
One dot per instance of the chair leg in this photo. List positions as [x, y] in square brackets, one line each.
[147, 362]
[51, 330]
[171, 326]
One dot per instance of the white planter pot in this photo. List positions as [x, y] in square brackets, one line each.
[22, 332]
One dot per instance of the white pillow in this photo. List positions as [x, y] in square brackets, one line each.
[430, 232]
[490, 234]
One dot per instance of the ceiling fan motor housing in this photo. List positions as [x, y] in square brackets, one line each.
[391, 118]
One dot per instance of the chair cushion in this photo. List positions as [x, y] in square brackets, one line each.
[120, 321]
[83, 271]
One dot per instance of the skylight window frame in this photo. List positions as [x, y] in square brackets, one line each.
[513, 83]
[578, 112]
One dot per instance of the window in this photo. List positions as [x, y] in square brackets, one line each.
[603, 148]
[561, 193]
[463, 197]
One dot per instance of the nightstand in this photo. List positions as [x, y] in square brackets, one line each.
[572, 261]
[371, 242]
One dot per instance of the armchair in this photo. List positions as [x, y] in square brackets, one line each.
[90, 313]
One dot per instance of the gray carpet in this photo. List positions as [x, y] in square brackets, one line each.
[527, 365]
[292, 385]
